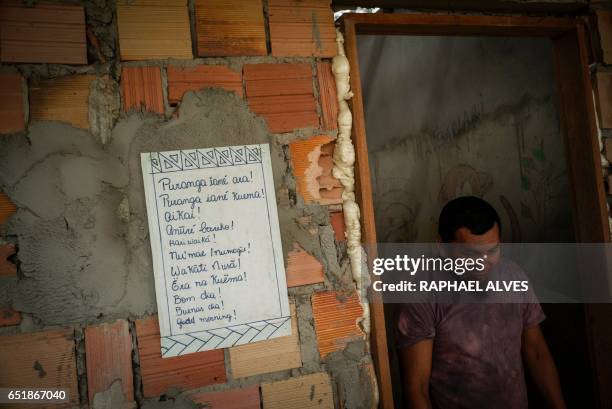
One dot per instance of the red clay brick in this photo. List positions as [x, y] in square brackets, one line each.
[230, 28]
[7, 269]
[41, 360]
[183, 79]
[9, 317]
[45, 33]
[337, 221]
[272, 355]
[108, 349]
[305, 159]
[330, 188]
[302, 268]
[282, 94]
[7, 208]
[153, 29]
[184, 372]
[64, 99]
[243, 398]
[603, 96]
[312, 167]
[336, 316]
[328, 96]
[141, 89]
[302, 28]
[12, 117]
[301, 392]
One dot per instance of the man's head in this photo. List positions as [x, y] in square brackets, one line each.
[472, 228]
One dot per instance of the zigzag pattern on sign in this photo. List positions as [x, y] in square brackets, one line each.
[183, 344]
[174, 161]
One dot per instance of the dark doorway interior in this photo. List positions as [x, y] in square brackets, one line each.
[449, 116]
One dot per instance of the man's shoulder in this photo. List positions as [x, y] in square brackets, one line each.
[511, 270]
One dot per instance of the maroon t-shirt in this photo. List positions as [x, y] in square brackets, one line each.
[476, 362]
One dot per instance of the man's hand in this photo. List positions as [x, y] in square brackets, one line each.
[542, 367]
[416, 365]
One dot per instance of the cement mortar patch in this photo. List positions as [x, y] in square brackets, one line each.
[348, 369]
[81, 226]
[308, 337]
[112, 398]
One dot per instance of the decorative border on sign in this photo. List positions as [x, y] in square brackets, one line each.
[176, 345]
[176, 161]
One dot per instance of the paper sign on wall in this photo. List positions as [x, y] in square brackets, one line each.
[215, 240]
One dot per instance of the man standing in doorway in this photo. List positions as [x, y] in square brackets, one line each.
[470, 356]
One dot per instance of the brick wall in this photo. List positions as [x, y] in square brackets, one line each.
[97, 67]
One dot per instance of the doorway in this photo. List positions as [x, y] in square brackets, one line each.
[557, 109]
[449, 116]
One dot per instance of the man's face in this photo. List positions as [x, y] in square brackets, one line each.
[485, 246]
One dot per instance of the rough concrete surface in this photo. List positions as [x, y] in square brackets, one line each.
[104, 107]
[84, 249]
[101, 30]
[179, 402]
[112, 398]
[349, 370]
[484, 122]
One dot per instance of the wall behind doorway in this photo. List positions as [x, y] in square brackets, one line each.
[451, 116]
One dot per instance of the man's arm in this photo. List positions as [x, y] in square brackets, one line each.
[542, 367]
[416, 368]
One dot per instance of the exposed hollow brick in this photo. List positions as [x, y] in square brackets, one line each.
[141, 89]
[12, 108]
[40, 360]
[184, 372]
[302, 268]
[45, 33]
[302, 28]
[336, 219]
[282, 94]
[9, 317]
[272, 355]
[303, 392]
[230, 28]
[153, 29]
[336, 318]
[183, 79]
[241, 398]
[330, 188]
[312, 167]
[327, 96]
[108, 349]
[7, 269]
[7, 208]
[64, 99]
[603, 92]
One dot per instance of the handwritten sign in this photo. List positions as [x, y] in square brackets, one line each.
[215, 240]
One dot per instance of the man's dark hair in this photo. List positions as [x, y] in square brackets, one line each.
[468, 211]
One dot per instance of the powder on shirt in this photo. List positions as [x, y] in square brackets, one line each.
[476, 359]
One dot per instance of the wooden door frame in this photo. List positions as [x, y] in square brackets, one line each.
[578, 124]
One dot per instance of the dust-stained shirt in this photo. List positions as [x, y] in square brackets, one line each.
[476, 359]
